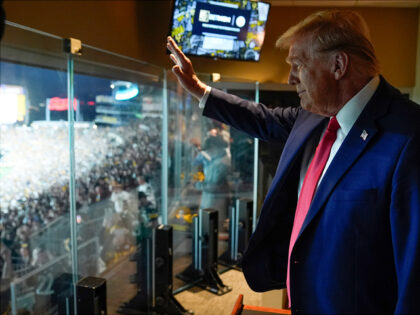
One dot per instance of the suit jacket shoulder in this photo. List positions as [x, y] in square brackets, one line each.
[252, 118]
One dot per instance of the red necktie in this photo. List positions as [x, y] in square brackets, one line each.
[310, 184]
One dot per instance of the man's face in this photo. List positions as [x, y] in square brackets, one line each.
[313, 75]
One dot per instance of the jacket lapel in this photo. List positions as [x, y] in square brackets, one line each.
[355, 143]
[306, 125]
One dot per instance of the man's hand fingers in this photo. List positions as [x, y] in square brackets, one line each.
[182, 60]
[184, 71]
[173, 47]
[170, 47]
[174, 59]
[177, 71]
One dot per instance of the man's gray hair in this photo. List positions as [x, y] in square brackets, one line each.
[335, 30]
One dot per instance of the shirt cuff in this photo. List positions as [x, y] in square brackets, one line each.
[204, 98]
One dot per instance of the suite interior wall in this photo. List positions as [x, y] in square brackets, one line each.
[416, 90]
[139, 28]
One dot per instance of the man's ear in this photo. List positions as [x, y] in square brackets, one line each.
[340, 64]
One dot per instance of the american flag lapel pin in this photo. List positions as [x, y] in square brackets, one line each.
[364, 135]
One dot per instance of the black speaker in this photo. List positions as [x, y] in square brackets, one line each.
[154, 277]
[91, 296]
[203, 271]
[163, 261]
[209, 237]
[245, 223]
[142, 302]
[240, 230]
[63, 294]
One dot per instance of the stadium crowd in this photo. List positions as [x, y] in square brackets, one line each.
[34, 189]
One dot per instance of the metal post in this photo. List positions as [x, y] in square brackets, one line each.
[72, 191]
[27, 111]
[236, 230]
[232, 232]
[47, 110]
[256, 142]
[197, 242]
[200, 238]
[164, 184]
[78, 110]
[177, 157]
[13, 298]
[67, 306]
[151, 261]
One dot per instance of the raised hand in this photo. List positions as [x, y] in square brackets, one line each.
[184, 70]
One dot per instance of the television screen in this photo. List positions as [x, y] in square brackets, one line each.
[228, 29]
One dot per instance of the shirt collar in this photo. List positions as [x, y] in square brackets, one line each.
[348, 115]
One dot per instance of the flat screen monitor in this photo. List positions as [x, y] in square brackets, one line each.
[226, 29]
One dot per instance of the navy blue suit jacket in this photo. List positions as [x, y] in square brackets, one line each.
[359, 247]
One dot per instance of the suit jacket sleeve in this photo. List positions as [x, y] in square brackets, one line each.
[254, 119]
[405, 226]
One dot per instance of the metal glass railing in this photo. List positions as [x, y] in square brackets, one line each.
[95, 150]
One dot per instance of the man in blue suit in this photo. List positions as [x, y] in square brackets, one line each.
[357, 248]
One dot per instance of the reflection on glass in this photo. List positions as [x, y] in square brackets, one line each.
[118, 172]
[117, 132]
[34, 177]
[210, 167]
[118, 161]
[214, 161]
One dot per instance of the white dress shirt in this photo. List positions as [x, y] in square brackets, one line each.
[346, 117]
[203, 99]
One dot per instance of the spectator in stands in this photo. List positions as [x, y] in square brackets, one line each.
[120, 198]
[145, 187]
[40, 256]
[25, 256]
[46, 189]
[216, 166]
[6, 268]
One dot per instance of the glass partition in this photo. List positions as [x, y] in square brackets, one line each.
[264, 156]
[81, 186]
[34, 172]
[184, 135]
[210, 166]
[243, 152]
[241, 145]
[118, 170]
[246, 162]
[108, 147]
